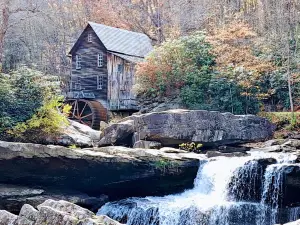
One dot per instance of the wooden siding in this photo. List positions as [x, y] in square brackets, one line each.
[120, 83]
[116, 93]
[87, 75]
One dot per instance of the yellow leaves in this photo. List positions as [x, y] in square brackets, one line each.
[192, 147]
[233, 46]
[233, 32]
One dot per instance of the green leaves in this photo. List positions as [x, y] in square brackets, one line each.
[175, 64]
[27, 103]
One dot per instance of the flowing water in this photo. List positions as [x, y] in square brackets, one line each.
[227, 191]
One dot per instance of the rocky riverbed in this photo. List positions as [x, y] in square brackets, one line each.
[32, 173]
[53, 212]
[92, 176]
[86, 175]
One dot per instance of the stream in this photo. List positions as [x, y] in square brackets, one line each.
[227, 191]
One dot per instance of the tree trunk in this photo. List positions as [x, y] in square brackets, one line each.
[289, 59]
[289, 80]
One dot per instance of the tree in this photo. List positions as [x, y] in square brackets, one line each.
[8, 12]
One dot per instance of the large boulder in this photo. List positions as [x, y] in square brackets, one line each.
[118, 134]
[118, 172]
[54, 213]
[76, 134]
[174, 127]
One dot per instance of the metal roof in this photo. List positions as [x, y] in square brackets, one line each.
[123, 41]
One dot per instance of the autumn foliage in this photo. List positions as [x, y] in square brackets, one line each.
[228, 69]
[170, 66]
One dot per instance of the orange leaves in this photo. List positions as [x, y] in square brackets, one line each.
[233, 32]
[233, 46]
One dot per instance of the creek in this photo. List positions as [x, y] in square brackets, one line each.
[227, 191]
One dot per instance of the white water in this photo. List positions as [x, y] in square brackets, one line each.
[212, 200]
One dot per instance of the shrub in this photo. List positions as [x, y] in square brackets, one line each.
[283, 119]
[20, 95]
[48, 121]
[175, 64]
[28, 105]
[191, 147]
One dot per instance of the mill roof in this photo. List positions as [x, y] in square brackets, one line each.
[122, 41]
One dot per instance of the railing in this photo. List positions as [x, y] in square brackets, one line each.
[124, 104]
[80, 94]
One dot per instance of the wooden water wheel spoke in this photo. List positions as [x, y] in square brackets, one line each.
[83, 109]
[87, 112]
[86, 116]
[73, 109]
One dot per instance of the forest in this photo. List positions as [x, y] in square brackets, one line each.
[239, 56]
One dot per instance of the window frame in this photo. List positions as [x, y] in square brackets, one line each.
[78, 62]
[100, 82]
[77, 85]
[90, 37]
[100, 61]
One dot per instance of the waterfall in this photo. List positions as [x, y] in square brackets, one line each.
[227, 191]
[273, 187]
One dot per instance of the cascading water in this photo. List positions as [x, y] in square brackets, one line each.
[224, 193]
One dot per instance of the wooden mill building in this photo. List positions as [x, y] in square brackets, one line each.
[102, 74]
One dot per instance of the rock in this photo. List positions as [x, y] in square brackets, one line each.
[9, 191]
[105, 220]
[76, 134]
[13, 197]
[131, 211]
[292, 143]
[296, 136]
[281, 145]
[50, 216]
[147, 144]
[54, 213]
[28, 212]
[103, 125]
[293, 223]
[273, 142]
[246, 185]
[291, 184]
[118, 134]
[211, 154]
[174, 127]
[192, 215]
[232, 149]
[274, 148]
[23, 221]
[128, 172]
[67, 207]
[7, 218]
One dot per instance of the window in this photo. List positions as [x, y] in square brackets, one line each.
[90, 37]
[120, 68]
[100, 82]
[77, 84]
[78, 62]
[100, 60]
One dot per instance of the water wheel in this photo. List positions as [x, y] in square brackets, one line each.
[87, 112]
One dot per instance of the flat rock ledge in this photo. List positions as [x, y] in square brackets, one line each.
[173, 127]
[54, 213]
[13, 197]
[117, 172]
[291, 223]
